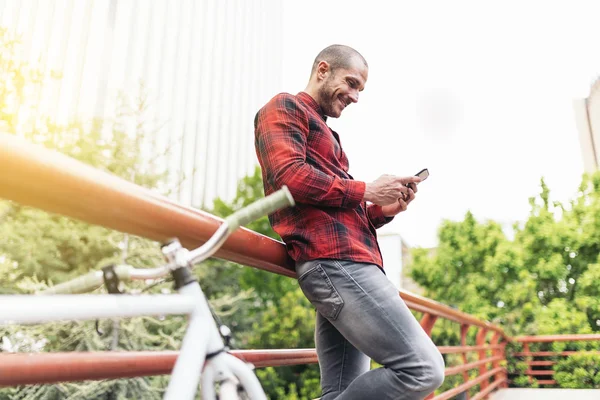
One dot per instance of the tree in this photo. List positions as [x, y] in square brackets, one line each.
[544, 281]
[548, 266]
[267, 286]
[288, 324]
[276, 315]
[578, 371]
[37, 248]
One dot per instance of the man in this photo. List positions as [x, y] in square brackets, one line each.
[331, 236]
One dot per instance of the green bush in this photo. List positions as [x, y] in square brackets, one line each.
[579, 371]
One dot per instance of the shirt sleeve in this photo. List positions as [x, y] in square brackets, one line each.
[281, 131]
[375, 215]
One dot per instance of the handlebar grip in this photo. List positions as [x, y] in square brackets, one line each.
[81, 284]
[273, 202]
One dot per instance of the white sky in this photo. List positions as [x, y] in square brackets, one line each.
[479, 92]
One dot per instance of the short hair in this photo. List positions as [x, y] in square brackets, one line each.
[337, 56]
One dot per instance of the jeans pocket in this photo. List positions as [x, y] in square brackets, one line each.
[319, 290]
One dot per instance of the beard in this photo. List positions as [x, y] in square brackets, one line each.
[326, 98]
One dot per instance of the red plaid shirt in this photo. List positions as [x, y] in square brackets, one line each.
[295, 147]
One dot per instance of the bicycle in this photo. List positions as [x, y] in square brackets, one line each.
[202, 342]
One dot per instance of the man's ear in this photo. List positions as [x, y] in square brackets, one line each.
[323, 70]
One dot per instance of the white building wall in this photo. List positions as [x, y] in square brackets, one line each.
[587, 118]
[207, 66]
[391, 251]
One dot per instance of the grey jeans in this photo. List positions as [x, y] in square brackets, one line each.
[360, 316]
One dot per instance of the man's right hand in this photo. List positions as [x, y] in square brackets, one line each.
[387, 189]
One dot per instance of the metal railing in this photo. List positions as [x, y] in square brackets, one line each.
[30, 174]
[121, 205]
[538, 361]
[25, 368]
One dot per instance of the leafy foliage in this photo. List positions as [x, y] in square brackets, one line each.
[544, 281]
[37, 248]
[278, 315]
[578, 371]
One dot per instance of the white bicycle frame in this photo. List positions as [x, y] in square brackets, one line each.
[202, 336]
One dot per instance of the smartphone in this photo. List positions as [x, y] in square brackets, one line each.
[423, 174]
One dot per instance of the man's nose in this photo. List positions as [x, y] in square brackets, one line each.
[354, 96]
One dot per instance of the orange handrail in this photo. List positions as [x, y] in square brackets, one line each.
[26, 369]
[35, 176]
[530, 355]
[557, 338]
[45, 179]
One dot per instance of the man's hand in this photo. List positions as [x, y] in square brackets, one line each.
[401, 205]
[390, 190]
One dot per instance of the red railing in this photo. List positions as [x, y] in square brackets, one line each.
[37, 177]
[537, 359]
[25, 369]
[34, 176]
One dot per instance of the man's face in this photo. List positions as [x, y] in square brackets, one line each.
[340, 88]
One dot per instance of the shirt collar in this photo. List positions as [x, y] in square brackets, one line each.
[312, 103]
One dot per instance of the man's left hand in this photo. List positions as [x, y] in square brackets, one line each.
[401, 205]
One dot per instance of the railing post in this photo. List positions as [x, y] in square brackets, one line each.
[464, 328]
[503, 352]
[527, 354]
[427, 323]
[497, 352]
[482, 355]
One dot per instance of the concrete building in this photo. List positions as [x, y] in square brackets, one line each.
[206, 67]
[397, 260]
[587, 118]
[393, 250]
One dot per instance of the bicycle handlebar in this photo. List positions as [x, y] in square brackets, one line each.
[85, 283]
[81, 284]
[92, 280]
[279, 199]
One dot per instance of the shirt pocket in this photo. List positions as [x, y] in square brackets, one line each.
[321, 292]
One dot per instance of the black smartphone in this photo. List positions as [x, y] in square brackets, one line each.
[423, 174]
